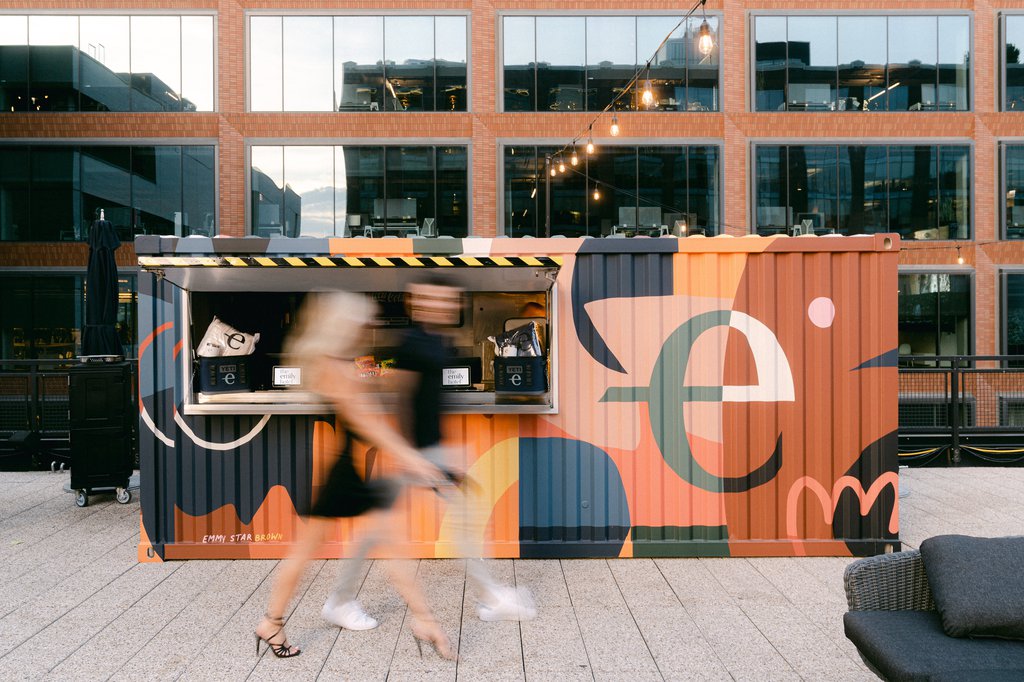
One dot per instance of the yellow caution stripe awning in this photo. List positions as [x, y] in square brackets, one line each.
[447, 261]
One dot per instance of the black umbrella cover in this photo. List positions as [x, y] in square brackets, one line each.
[100, 334]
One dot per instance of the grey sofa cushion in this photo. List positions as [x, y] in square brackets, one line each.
[977, 584]
[911, 645]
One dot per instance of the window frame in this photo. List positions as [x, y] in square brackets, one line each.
[962, 270]
[751, 65]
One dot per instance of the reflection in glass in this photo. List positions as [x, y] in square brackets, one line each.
[265, 75]
[702, 70]
[359, 63]
[1014, 315]
[13, 63]
[54, 210]
[703, 191]
[106, 180]
[267, 187]
[409, 63]
[954, 61]
[197, 63]
[156, 63]
[363, 180]
[561, 55]
[40, 318]
[913, 49]
[862, 60]
[614, 170]
[309, 176]
[1013, 165]
[661, 186]
[53, 63]
[450, 60]
[307, 46]
[772, 193]
[611, 62]
[409, 179]
[912, 192]
[518, 63]
[14, 194]
[954, 192]
[668, 67]
[452, 191]
[1014, 63]
[105, 63]
[863, 191]
[770, 51]
[813, 187]
[934, 314]
[199, 190]
[812, 63]
[156, 191]
[523, 192]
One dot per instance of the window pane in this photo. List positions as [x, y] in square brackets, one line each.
[863, 203]
[13, 63]
[308, 45]
[518, 63]
[773, 216]
[359, 63]
[156, 63]
[450, 44]
[524, 192]
[813, 186]
[409, 188]
[812, 63]
[156, 191]
[1014, 173]
[265, 87]
[703, 190]
[611, 62]
[409, 63]
[702, 70]
[267, 191]
[105, 64]
[561, 52]
[199, 190]
[53, 63]
[770, 68]
[53, 209]
[954, 192]
[16, 320]
[862, 60]
[1015, 314]
[668, 67]
[613, 170]
[954, 60]
[661, 185]
[15, 218]
[40, 317]
[452, 191]
[309, 175]
[934, 314]
[106, 185]
[197, 63]
[913, 49]
[1014, 63]
[912, 192]
[363, 169]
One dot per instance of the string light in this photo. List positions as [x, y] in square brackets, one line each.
[590, 145]
[648, 95]
[597, 193]
[614, 130]
[553, 171]
[959, 256]
[705, 43]
[574, 160]
[561, 165]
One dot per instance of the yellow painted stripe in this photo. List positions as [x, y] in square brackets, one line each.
[501, 261]
[530, 260]
[326, 262]
[557, 260]
[149, 262]
[208, 262]
[409, 260]
[386, 262]
[297, 262]
[469, 260]
[354, 262]
[441, 260]
[269, 262]
[236, 262]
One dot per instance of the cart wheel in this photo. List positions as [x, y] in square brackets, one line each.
[124, 496]
[82, 498]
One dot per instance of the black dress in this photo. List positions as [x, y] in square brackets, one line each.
[346, 494]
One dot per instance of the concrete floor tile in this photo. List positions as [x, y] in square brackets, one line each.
[613, 640]
[553, 641]
[591, 583]
[545, 580]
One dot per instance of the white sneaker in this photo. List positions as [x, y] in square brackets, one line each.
[349, 615]
[507, 603]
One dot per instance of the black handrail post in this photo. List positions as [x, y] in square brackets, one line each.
[954, 403]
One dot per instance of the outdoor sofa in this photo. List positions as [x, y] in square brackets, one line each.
[905, 606]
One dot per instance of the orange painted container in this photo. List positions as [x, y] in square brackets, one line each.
[709, 397]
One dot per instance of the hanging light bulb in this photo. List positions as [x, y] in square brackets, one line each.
[614, 130]
[959, 256]
[574, 160]
[597, 193]
[590, 145]
[553, 171]
[648, 95]
[561, 165]
[705, 43]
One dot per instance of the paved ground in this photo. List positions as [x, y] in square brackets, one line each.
[75, 604]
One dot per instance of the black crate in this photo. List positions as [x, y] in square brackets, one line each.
[100, 458]
[526, 376]
[101, 424]
[225, 375]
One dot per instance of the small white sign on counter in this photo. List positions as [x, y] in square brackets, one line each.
[455, 377]
[287, 376]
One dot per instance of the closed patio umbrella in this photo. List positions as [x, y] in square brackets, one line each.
[100, 334]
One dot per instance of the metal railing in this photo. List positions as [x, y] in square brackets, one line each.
[963, 409]
[34, 400]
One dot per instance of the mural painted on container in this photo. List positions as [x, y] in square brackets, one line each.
[716, 398]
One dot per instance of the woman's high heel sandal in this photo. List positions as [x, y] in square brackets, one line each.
[281, 649]
[431, 633]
